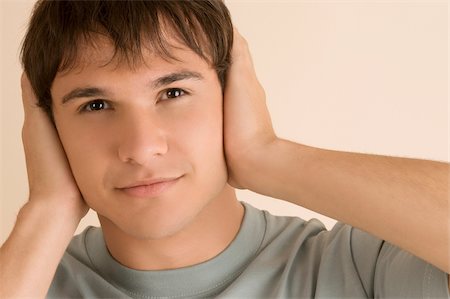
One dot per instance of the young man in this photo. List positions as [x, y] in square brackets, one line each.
[127, 112]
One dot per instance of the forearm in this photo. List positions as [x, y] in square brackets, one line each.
[403, 201]
[30, 256]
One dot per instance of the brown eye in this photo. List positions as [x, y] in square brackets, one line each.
[95, 105]
[173, 93]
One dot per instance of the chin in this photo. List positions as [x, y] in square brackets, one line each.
[152, 223]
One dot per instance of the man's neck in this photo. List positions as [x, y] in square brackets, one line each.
[205, 237]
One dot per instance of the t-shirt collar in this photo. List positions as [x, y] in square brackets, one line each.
[202, 279]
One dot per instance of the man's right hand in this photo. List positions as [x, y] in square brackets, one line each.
[46, 223]
[49, 175]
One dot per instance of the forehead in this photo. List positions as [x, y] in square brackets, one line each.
[101, 53]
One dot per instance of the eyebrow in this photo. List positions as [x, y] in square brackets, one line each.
[173, 77]
[85, 92]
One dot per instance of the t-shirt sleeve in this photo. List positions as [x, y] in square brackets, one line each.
[386, 271]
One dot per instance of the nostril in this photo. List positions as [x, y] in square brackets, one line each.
[142, 149]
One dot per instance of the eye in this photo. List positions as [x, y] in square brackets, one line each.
[95, 105]
[172, 93]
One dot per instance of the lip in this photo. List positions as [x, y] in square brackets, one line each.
[149, 188]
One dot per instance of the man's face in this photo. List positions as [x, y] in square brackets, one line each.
[122, 127]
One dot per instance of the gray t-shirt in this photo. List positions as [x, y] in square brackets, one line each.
[271, 257]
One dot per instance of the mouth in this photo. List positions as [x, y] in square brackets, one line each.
[151, 188]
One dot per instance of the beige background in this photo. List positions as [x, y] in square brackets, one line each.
[362, 76]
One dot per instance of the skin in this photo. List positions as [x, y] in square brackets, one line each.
[410, 195]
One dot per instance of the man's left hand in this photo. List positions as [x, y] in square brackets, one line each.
[247, 124]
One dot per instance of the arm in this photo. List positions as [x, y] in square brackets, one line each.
[46, 223]
[403, 201]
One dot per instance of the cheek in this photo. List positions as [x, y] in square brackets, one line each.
[205, 137]
[87, 157]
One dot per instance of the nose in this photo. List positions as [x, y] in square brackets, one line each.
[141, 139]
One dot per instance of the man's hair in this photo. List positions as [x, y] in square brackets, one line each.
[57, 29]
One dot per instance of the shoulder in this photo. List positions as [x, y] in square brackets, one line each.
[344, 261]
[77, 248]
[292, 229]
[74, 264]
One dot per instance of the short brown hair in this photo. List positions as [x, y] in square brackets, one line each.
[56, 29]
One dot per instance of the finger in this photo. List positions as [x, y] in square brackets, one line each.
[240, 51]
[29, 98]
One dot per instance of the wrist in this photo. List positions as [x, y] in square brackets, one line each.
[278, 169]
[260, 166]
[53, 212]
[251, 169]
